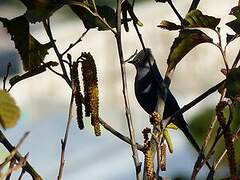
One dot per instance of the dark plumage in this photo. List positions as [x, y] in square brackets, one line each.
[147, 83]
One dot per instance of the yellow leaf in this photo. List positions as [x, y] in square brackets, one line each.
[9, 111]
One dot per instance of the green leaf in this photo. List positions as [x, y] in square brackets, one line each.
[9, 111]
[39, 10]
[186, 41]
[233, 83]
[195, 18]
[169, 25]
[31, 51]
[92, 15]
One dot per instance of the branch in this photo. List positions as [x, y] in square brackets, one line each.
[119, 135]
[49, 33]
[75, 43]
[194, 102]
[27, 167]
[64, 141]
[125, 93]
[175, 11]
[194, 5]
[6, 76]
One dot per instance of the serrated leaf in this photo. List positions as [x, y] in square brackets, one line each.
[195, 18]
[9, 111]
[31, 51]
[233, 83]
[89, 13]
[186, 41]
[169, 25]
[39, 10]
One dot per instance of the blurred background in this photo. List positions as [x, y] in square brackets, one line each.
[44, 99]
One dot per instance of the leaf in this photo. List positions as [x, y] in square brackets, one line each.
[195, 18]
[92, 15]
[39, 10]
[230, 38]
[233, 83]
[9, 111]
[169, 25]
[235, 11]
[31, 51]
[185, 42]
[234, 25]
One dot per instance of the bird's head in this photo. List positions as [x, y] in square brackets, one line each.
[142, 58]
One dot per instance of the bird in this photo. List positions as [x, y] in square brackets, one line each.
[147, 91]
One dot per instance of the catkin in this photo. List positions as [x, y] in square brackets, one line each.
[91, 93]
[78, 95]
[148, 161]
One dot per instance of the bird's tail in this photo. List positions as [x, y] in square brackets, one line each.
[190, 137]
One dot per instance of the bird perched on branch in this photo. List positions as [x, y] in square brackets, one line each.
[147, 90]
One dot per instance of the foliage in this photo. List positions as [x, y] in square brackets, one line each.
[223, 129]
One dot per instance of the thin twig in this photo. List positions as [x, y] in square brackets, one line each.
[125, 93]
[194, 5]
[21, 164]
[28, 168]
[175, 11]
[75, 43]
[11, 165]
[12, 154]
[64, 141]
[6, 76]
[235, 138]
[206, 140]
[236, 61]
[119, 135]
[194, 102]
[46, 24]
[222, 50]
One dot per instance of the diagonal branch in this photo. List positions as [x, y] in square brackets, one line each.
[28, 168]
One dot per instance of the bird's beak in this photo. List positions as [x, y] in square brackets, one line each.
[131, 58]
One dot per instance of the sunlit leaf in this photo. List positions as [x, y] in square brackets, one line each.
[31, 51]
[186, 41]
[169, 25]
[233, 83]
[195, 18]
[39, 10]
[92, 15]
[9, 111]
